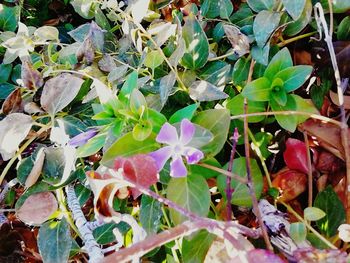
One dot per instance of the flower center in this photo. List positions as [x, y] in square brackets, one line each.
[178, 149]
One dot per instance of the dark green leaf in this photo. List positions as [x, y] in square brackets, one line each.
[104, 234]
[226, 8]
[298, 25]
[288, 122]
[8, 17]
[6, 89]
[150, 214]
[243, 16]
[53, 165]
[343, 32]
[241, 71]
[264, 24]
[195, 248]
[197, 46]
[5, 70]
[191, 193]
[54, 241]
[217, 121]
[261, 54]
[294, 7]
[258, 90]
[329, 202]
[259, 5]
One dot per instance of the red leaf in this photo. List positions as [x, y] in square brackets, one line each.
[139, 169]
[295, 155]
[291, 183]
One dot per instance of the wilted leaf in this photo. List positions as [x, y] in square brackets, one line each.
[44, 204]
[204, 91]
[31, 77]
[295, 155]
[291, 183]
[106, 63]
[13, 129]
[238, 40]
[139, 169]
[13, 102]
[59, 91]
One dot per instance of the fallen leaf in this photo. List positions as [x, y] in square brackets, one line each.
[13, 130]
[291, 183]
[59, 91]
[13, 102]
[295, 155]
[44, 204]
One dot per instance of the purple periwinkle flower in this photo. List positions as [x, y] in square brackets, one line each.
[176, 148]
[82, 138]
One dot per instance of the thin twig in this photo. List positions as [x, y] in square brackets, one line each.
[224, 172]
[309, 167]
[248, 167]
[93, 249]
[229, 190]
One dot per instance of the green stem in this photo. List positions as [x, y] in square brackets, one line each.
[290, 40]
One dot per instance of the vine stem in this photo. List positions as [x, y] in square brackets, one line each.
[93, 249]
[224, 172]
[229, 189]
[248, 167]
[309, 166]
[322, 26]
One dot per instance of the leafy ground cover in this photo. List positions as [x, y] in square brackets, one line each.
[174, 131]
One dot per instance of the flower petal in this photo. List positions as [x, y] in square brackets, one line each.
[177, 167]
[193, 155]
[161, 156]
[187, 131]
[167, 134]
[82, 138]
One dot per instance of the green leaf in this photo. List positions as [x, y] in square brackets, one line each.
[153, 59]
[264, 24]
[241, 196]
[329, 202]
[240, 71]
[210, 9]
[303, 105]
[205, 172]
[6, 89]
[184, 113]
[104, 234]
[217, 121]
[216, 72]
[259, 5]
[101, 19]
[226, 8]
[294, 7]
[92, 146]
[53, 165]
[128, 86]
[150, 214]
[197, 46]
[142, 130]
[298, 232]
[243, 16]
[157, 119]
[288, 122]
[8, 17]
[191, 193]
[127, 146]
[313, 214]
[5, 70]
[236, 107]
[83, 194]
[280, 96]
[343, 32]
[295, 27]
[54, 241]
[294, 77]
[166, 87]
[338, 6]
[195, 248]
[280, 61]
[261, 54]
[258, 90]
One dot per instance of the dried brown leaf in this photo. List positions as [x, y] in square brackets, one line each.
[31, 77]
[13, 102]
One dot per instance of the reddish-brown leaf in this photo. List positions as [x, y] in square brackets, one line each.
[291, 183]
[44, 204]
[295, 155]
[13, 102]
[139, 169]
